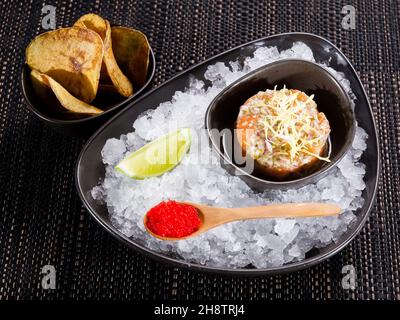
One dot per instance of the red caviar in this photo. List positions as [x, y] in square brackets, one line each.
[173, 219]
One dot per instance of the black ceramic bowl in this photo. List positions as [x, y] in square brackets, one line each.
[303, 75]
[47, 112]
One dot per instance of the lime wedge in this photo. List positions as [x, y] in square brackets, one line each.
[158, 156]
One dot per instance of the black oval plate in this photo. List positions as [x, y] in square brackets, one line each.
[90, 168]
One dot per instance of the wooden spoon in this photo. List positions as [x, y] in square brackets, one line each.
[212, 216]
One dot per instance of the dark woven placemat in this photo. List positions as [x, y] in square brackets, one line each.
[42, 221]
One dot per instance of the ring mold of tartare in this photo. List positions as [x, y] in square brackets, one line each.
[283, 131]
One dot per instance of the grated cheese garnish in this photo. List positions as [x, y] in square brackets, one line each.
[290, 128]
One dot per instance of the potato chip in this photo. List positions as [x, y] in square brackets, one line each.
[131, 50]
[67, 100]
[93, 22]
[102, 27]
[97, 24]
[71, 56]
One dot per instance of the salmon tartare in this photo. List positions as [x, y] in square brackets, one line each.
[283, 131]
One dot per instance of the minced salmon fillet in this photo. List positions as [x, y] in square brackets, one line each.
[283, 131]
